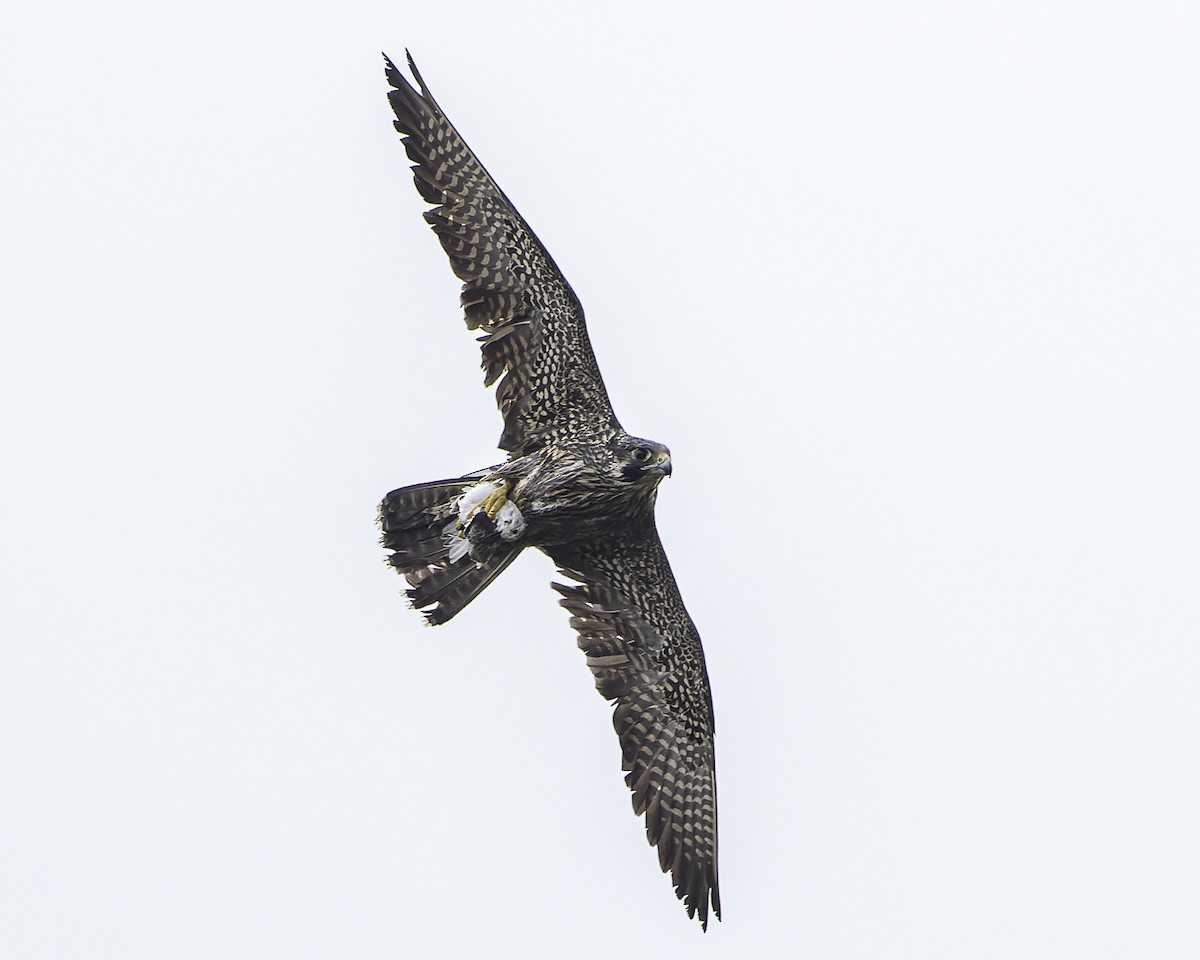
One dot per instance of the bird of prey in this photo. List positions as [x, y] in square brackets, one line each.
[575, 485]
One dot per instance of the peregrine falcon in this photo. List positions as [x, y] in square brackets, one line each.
[575, 485]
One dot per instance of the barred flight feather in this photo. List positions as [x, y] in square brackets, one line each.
[644, 653]
[508, 278]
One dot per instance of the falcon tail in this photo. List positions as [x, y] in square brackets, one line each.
[415, 522]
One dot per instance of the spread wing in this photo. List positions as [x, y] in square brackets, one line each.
[534, 339]
[645, 654]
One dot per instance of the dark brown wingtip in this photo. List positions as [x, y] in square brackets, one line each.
[389, 70]
[412, 65]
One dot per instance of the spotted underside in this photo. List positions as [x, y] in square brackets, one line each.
[641, 646]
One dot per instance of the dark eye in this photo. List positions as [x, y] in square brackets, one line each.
[641, 454]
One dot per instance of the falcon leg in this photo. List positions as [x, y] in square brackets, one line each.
[486, 517]
[492, 503]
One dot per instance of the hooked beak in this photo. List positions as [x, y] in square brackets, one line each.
[662, 466]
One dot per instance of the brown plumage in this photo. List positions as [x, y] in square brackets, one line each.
[576, 486]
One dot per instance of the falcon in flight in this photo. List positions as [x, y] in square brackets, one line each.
[575, 485]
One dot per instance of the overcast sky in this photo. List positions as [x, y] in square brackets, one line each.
[911, 292]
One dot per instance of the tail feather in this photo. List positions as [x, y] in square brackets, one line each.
[413, 520]
[453, 589]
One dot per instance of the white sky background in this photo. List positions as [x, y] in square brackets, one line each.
[910, 290]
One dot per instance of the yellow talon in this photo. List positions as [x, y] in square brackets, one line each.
[492, 503]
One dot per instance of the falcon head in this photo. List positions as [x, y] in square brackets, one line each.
[639, 460]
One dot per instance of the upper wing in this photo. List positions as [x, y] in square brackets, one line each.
[645, 654]
[534, 334]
